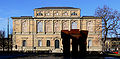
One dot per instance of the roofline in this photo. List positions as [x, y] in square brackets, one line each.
[56, 17]
[57, 8]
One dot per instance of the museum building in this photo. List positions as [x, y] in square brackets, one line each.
[43, 31]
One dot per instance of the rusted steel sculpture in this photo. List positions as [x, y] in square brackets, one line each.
[78, 39]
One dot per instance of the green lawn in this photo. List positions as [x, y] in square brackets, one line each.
[114, 54]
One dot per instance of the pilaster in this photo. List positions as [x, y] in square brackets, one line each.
[69, 24]
[35, 26]
[60, 24]
[29, 26]
[52, 26]
[78, 24]
[21, 26]
[43, 26]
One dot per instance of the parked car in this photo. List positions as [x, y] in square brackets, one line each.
[116, 52]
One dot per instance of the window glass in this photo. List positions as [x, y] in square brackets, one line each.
[56, 43]
[90, 26]
[57, 26]
[74, 25]
[65, 25]
[89, 42]
[48, 43]
[48, 26]
[74, 13]
[39, 27]
[39, 43]
[24, 26]
[24, 43]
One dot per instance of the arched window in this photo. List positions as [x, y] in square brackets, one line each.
[57, 26]
[65, 25]
[39, 43]
[57, 13]
[39, 27]
[74, 25]
[48, 26]
[65, 13]
[89, 43]
[56, 43]
[39, 14]
[48, 43]
[89, 26]
[24, 26]
[74, 13]
[47, 13]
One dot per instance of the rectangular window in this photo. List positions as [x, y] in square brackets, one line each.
[39, 43]
[48, 43]
[89, 42]
[24, 43]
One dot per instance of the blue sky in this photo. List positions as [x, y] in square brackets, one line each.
[16, 8]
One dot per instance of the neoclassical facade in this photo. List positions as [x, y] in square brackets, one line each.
[43, 31]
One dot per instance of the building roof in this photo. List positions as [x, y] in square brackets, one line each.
[91, 17]
[57, 8]
[30, 17]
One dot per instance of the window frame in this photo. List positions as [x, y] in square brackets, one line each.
[39, 26]
[23, 43]
[39, 43]
[74, 23]
[48, 43]
[73, 13]
[57, 42]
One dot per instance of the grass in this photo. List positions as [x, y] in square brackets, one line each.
[114, 54]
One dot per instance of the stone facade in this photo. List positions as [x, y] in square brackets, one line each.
[43, 31]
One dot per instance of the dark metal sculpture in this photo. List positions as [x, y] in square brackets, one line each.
[78, 39]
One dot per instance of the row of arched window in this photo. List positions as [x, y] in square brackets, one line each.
[47, 14]
[56, 26]
[48, 43]
[48, 26]
[40, 43]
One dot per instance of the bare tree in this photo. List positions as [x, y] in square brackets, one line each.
[110, 22]
[2, 37]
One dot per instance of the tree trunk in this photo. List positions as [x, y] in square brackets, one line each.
[105, 38]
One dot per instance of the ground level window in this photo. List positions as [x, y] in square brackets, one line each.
[39, 43]
[56, 43]
[89, 43]
[48, 43]
[24, 43]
